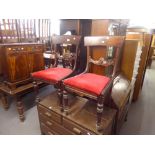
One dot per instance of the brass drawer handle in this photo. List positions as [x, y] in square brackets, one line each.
[48, 114]
[77, 131]
[49, 123]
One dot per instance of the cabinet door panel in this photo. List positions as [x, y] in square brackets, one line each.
[18, 66]
[35, 58]
[36, 61]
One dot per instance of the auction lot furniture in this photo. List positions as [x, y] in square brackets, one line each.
[18, 60]
[65, 49]
[17, 94]
[81, 121]
[82, 118]
[90, 85]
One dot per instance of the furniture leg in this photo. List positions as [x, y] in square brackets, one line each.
[126, 117]
[99, 114]
[60, 96]
[64, 63]
[20, 108]
[65, 101]
[4, 101]
[36, 90]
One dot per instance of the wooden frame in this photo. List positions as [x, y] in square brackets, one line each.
[105, 41]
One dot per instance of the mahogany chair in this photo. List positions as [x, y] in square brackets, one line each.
[65, 48]
[93, 86]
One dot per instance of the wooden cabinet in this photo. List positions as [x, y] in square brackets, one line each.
[105, 27]
[145, 40]
[80, 121]
[109, 27]
[80, 27]
[151, 55]
[0, 62]
[19, 60]
[72, 25]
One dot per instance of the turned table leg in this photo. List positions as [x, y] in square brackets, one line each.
[4, 101]
[20, 108]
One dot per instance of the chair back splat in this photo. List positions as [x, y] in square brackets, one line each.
[109, 47]
[65, 50]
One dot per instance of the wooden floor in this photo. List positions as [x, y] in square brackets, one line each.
[140, 119]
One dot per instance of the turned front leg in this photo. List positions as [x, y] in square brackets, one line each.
[99, 115]
[36, 90]
[4, 101]
[60, 96]
[20, 108]
[65, 102]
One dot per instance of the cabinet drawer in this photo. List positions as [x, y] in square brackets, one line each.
[76, 129]
[35, 49]
[49, 114]
[54, 126]
[12, 49]
[46, 130]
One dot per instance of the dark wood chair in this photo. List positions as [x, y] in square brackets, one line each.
[93, 86]
[65, 48]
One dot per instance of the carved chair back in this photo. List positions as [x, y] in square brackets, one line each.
[111, 48]
[65, 50]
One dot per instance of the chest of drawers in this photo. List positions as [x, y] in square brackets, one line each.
[80, 121]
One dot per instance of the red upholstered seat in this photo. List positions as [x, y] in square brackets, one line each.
[88, 82]
[52, 74]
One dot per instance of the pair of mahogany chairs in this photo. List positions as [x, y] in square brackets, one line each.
[86, 84]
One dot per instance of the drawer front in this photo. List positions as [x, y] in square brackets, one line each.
[54, 126]
[49, 114]
[75, 128]
[35, 48]
[46, 130]
[16, 49]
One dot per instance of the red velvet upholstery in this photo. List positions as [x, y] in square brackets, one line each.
[52, 74]
[88, 82]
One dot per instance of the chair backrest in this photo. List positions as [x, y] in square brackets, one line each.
[110, 47]
[65, 49]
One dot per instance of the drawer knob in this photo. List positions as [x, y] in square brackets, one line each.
[49, 123]
[77, 131]
[48, 114]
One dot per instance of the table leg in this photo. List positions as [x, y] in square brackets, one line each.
[4, 101]
[20, 108]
